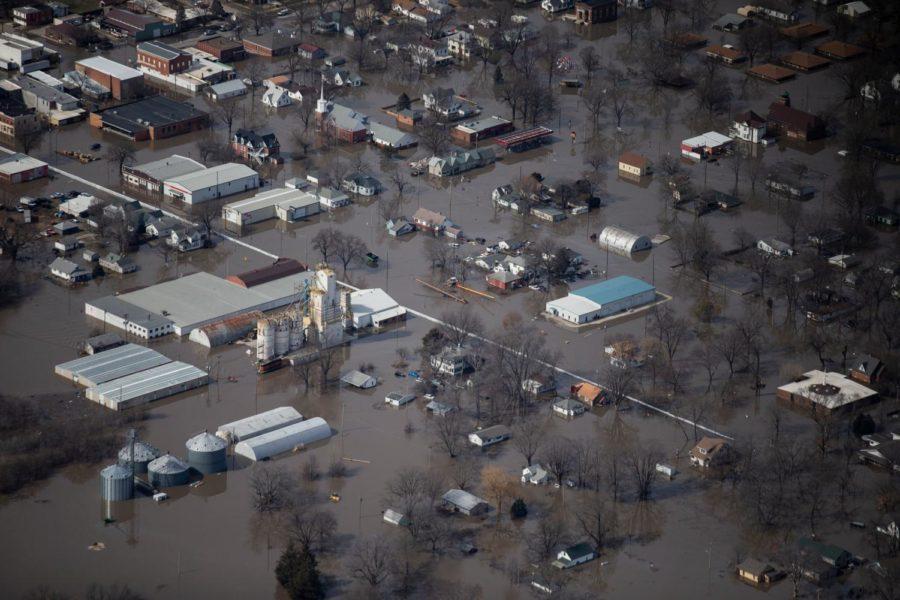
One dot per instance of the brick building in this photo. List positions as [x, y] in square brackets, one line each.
[163, 58]
[222, 48]
[122, 81]
[153, 118]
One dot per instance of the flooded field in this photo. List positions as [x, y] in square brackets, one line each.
[206, 541]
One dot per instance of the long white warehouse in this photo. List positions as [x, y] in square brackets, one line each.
[264, 422]
[284, 440]
[147, 386]
[212, 183]
[112, 364]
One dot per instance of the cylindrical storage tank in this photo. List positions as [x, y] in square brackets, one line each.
[206, 453]
[116, 483]
[143, 454]
[296, 334]
[282, 337]
[168, 471]
[265, 340]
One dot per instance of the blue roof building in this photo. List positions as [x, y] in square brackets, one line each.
[602, 300]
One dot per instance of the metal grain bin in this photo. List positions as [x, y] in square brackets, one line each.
[168, 471]
[206, 453]
[116, 483]
[143, 454]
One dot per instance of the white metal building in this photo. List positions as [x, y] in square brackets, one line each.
[146, 386]
[374, 308]
[284, 439]
[264, 422]
[212, 183]
[112, 364]
[151, 175]
[602, 299]
[285, 203]
[621, 241]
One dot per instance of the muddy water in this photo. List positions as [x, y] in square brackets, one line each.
[176, 548]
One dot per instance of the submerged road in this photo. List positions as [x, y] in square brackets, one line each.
[419, 314]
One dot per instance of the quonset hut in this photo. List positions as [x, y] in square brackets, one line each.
[284, 440]
[168, 471]
[617, 240]
[206, 453]
[143, 454]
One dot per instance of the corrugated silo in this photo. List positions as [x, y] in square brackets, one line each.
[265, 340]
[296, 334]
[143, 454]
[206, 453]
[116, 483]
[168, 471]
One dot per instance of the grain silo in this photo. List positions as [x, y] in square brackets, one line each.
[143, 454]
[282, 337]
[296, 340]
[206, 453]
[265, 340]
[116, 483]
[168, 471]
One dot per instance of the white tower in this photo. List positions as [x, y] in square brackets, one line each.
[322, 103]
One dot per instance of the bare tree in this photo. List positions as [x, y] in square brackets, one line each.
[558, 459]
[464, 471]
[271, 488]
[528, 436]
[369, 559]
[498, 486]
[313, 529]
[642, 465]
[119, 155]
[325, 242]
[590, 61]
[595, 519]
[670, 329]
[461, 324]
[349, 249]
[543, 543]
[227, 112]
[434, 136]
[449, 432]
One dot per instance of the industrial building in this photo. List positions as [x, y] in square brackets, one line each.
[225, 331]
[374, 308]
[602, 300]
[122, 81]
[146, 386]
[212, 183]
[285, 203]
[616, 239]
[284, 439]
[18, 52]
[137, 321]
[472, 132]
[153, 118]
[151, 175]
[264, 422]
[111, 364]
[282, 267]
[180, 302]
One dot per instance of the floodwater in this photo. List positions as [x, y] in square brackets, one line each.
[206, 538]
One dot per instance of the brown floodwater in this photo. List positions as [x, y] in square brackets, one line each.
[205, 541]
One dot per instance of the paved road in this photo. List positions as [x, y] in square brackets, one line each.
[419, 314]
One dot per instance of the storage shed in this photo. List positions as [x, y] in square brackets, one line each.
[602, 300]
[284, 439]
[621, 241]
[112, 364]
[463, 502]
[146, 386]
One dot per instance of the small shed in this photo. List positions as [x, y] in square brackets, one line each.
[395, 518]
[360, 380]
[439, 409]
[399, 399]
[621, 241]
[568, 407]
[463, 502]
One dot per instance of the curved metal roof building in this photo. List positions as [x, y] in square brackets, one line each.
[621, 241]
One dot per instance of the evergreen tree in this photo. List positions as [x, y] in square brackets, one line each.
[518, 510]
[498, 75]
[403, 102]
[298, 573]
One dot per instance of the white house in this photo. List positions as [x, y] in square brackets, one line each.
[364, 185]
[749, 126]
[331, 198]
[555, 6]
[574, 555]
[186, 239]
[460, 44]
[775, 247]
[277, 97]
[489, 436]
[398, 227]
[395, 518]
[568, 407]
[535, 475]
[854, 10]
[68, 270]
[398, 399]
[360, 380]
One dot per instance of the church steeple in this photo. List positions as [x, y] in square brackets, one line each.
[322, 103]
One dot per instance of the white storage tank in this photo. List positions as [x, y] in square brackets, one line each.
[116, 483]
[265, 340]
[282, 337]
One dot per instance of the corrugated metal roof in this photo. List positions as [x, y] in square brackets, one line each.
[258, 424]
[205, 442]
[613, 289]
[158, 380]
[462, 499]
[168, 464]
[212, 176]
[110, 365]
[284, 439]
[166, 168]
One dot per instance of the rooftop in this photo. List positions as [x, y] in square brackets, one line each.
[198, 180]
[110, 67]
[109, 365]
[166, 168]
[15, 163]
[164, 51]
[484, 124]
[831, 390]
[155, 111]
[280, 268]
[613, 289]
